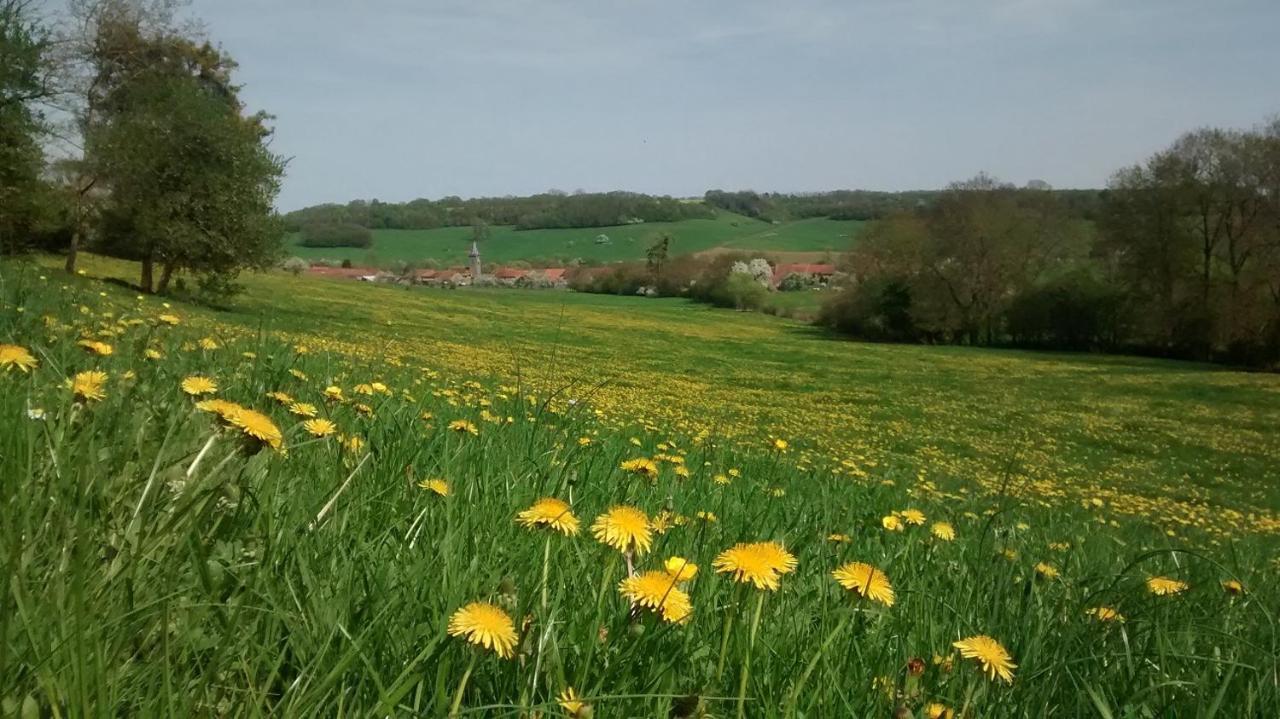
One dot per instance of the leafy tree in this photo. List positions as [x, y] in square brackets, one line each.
[191, 181]
[24, 81]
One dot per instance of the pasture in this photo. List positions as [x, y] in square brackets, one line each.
[449, 245]
[877, 529]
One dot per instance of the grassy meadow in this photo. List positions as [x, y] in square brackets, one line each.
[449, 245]
[1109, 523]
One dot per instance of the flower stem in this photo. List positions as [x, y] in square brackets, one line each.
[746, 660]
[462, 685]
[813, 663]
[546, 569]
[724, 638]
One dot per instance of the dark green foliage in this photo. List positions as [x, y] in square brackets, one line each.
[331, 234]
[1076, 312]
[25, 201]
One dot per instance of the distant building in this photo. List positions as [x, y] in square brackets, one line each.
[818, 274]
[475, 259]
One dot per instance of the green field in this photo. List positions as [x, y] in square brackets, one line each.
[449, 245]
[162, 559]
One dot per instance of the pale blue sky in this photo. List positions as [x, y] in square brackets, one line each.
[394, 99]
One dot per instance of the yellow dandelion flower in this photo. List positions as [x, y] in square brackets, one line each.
[298, 374]
[780, 445]
[152, 354]
[439, 486]
[363, 389]
[485, 625]
[99, 348]
[1164, 586]
[584, 441]
[1232, 586]
[257, 426]
[865, 580]
[839, 538]
[1105, 614]
[943, 531]
[14, 356]
[760, 563]
[720, 479]
[682, 471]
[570, 702]
[912, 516]
[462, 426]
[624, 528]
[641, 466]
[362, 408]
[552, 513]
[207, 343]
[197, 385]
[353, 444]
[168, 319]
[734, 472]
[935, 710]
[682, 569]
[302, 409]
[891, 523]
[333, 393]
[220, 407]
[990, 654]
[658, 591]
[1046, 570]
[89, 386]
[281, 397]
[319, 427]
[708, 517]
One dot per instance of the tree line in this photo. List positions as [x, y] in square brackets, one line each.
[124, 132]
[862, 204]
[1182, 259]
[542, 211]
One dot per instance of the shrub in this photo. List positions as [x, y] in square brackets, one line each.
[295, 265]
[334, 234]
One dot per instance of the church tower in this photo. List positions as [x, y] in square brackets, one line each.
[475, 261]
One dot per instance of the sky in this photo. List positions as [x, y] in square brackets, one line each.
[399, 99]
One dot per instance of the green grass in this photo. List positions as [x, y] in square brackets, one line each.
[449, 245]
[156, 564]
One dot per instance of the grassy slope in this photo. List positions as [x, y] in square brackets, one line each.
[628, 242]
[1153, 435]
[143, 581]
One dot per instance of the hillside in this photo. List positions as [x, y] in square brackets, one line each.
[449, 245]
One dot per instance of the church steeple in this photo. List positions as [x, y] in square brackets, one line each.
[474, 254]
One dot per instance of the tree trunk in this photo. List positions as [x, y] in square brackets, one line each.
[165, 275]
[147, 272]
[73, 249]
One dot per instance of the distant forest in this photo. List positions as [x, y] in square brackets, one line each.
[606, 209]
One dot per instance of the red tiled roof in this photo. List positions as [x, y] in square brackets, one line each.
[510, 273]
[555, 274]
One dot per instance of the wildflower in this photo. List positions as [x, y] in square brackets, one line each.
[866, 581]
[1233, 587]
[220, 407]
[623, 528]
[333, 393]
[298, 374]
[152, 354]
[573, 705]
[197, 385]
[1046, 570]
[362, 408]
[935, 710]
[14, 356]
[682, 569]
[658, 591]
[720, 479]
[281, 397]
[552, 513]
[319, 427]
[353, 444]
[99, 348]
[207, 343]
[1105, 614]
[708, 517]
[642, 466]
[734, 472]
[462, 426]
[780, 445]
[36, 414]
[1164, 586]
[943, 531]
[839, 538]
[584, 441]
[682, 471]
[89, 386]
[380, 388]
[989, 653]
[257, 426]
[439, 486]
[891, 523]
[1059, 546]
[912, 516]
[302, 409]
[760, 563]
[168, 319]
[663, 521]
[485, 625]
